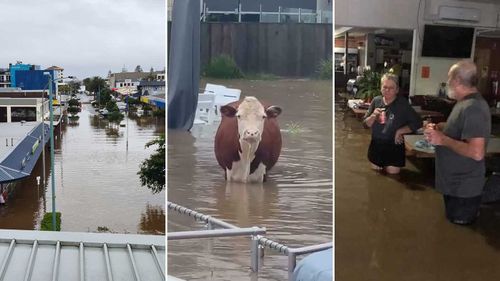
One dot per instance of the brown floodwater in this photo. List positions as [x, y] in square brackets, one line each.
[295, 204]
[394, 228]
[96, 180]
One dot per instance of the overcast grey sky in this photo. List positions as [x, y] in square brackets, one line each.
[85, 37]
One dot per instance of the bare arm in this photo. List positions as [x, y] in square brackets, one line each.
[372, 117]
[474, 148]
[399, 137]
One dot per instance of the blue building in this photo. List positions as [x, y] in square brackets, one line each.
[33, 79]
[19, 67]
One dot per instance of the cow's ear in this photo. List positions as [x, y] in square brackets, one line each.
[273, 111]
[228, 111]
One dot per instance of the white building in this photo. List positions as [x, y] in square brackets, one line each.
[4, 78]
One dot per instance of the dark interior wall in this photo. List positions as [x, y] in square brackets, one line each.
[491, 46]
[293, 50]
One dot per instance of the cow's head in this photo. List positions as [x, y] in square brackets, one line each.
[251, 116]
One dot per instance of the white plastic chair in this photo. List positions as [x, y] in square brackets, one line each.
[223, 97]
[205, 109]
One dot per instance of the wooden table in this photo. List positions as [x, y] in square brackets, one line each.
[495, 111]
[411, 150]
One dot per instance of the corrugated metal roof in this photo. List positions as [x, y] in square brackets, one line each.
[20, 162]
[46, 255]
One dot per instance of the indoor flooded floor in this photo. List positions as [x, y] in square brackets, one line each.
[295, 204]
[394, 228]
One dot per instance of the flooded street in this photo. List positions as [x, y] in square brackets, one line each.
[394, 228]
[295, 204]
[96, 180]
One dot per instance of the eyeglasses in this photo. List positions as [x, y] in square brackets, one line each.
[385, 88]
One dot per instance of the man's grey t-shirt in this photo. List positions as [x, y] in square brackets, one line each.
[457, 175]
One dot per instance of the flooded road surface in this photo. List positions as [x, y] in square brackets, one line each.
[295, 204]
[394, 228]
[96, 180]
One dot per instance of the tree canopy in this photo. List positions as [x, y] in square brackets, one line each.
[152, 170]
[94, 84]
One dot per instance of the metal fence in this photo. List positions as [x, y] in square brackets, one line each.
[282, 15]
[258, 241]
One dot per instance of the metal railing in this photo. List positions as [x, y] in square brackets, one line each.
[232, 230]
[282, 15]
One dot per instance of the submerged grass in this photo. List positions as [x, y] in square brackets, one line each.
[293, 127]
[47, 222]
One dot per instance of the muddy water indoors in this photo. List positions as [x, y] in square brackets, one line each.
[395, 229]
[295, 204]
[96, 180]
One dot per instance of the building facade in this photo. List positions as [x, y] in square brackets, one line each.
[19, 66]
[4, 78]
[21, 109]
[128, 82]
[34, 79]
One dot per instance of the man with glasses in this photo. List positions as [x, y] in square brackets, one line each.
[461, 145]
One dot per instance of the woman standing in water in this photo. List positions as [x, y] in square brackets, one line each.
[390, 117]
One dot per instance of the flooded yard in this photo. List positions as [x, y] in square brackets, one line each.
[394, 228]
[295, 204]
[96, 180]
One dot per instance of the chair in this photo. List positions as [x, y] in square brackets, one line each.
[213, 88]
[223, 97]
[205, 110]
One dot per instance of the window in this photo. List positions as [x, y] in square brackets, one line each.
[3, 114]
[19, 114]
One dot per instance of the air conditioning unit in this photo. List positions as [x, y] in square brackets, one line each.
[459, 14]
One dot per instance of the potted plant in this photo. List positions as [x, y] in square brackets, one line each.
[369, 85]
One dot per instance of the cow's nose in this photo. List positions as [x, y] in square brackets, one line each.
[251, 133]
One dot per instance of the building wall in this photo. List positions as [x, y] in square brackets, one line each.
[34, 79]
[17, 67]
[293, 50]
[10, 104]
[5, 79]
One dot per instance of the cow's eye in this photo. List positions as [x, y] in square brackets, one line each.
[264, 116]
[238, 116]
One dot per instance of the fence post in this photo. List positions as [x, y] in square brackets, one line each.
[254, 256]
[320, 16]
[279, 14]
[239, 12]
[291, 265]
[300, 15]
[205, 10]
[260, 12]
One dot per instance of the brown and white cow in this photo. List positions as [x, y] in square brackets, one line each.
[248, 140]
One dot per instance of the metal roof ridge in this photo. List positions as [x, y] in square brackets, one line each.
[28, 236]
[2, 168]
